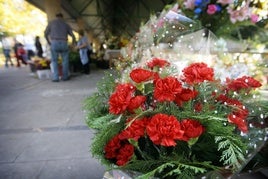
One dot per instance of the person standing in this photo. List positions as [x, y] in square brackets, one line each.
[20, 53]
[83, 47]
[6, 50]
[29, 48]
[38, 46]
[56, 34]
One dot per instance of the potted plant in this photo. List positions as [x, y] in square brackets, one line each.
[75, 63]
[42, 67]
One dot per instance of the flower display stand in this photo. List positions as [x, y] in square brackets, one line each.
[43, 74]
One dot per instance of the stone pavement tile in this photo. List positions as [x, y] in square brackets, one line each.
[57, 145]
[72, 169]
[78, 118]
[12, 145]
[38, 110]
[43, 133]
[22, 170]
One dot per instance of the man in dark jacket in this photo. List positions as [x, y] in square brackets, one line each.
[56, 34]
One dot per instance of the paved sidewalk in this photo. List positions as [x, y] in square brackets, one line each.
[42, 129]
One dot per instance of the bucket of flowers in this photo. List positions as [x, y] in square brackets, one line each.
[158, 122]
[42, 66]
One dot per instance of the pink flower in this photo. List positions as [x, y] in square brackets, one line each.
[189, 4]
[212, 9]
[225, 2]
[239, 15]
[254, 18]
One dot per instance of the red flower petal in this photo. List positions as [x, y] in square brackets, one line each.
[192, 129]
[185, 95]
[141, 75]
[157, 62]
[166, 89]
[163, 130]
[136, 102]
[197, 73]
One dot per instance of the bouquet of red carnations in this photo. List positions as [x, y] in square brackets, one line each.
[165, 123]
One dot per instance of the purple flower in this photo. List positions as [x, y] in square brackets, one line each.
[198, 3]
[197, 10]
[218, 7]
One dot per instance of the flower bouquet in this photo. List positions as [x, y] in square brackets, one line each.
[162, 123]
[170, 115]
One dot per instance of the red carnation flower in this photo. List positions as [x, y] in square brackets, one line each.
[198, 107]
[192, 129]
[119, 102]
[124, 155]
[239, 114]
[125, 87]
[222, 98]
[239, 119]
[185, 95]
[141, 75]
[166, 89]
[120, 150]
[244, 82]
[163, 130]
[197, 73]
[229, 101]
[157, 62]
[135, 130]
[120, 99]
[112, 147]
[136, 102]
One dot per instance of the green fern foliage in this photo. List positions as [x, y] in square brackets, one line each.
[233, 151]
[102, 137]
[96, 106]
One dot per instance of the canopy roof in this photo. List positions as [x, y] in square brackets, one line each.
[104, 18]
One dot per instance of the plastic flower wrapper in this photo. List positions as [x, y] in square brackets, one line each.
[174, 37]
[170, 114]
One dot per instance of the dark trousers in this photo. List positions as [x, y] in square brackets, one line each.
[22, 59]
[86, 68]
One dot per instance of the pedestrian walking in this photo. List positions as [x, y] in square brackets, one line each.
[7, 50]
